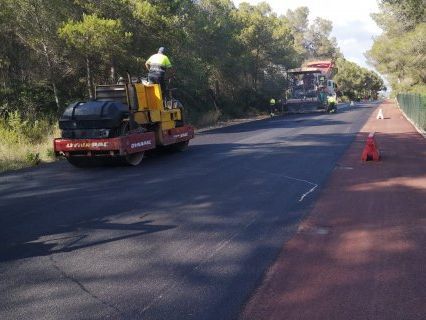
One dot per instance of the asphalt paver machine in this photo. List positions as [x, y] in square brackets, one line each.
[311, 85]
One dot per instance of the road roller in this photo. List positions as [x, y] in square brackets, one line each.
[122, 123]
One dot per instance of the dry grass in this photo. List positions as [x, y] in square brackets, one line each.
[208, 118]
[25, 144]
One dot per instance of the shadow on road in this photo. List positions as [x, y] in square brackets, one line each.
[75, 241]
[63, 200]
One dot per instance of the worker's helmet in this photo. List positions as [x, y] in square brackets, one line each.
[161, 50]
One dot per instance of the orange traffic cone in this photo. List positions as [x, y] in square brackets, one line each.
[371, 151]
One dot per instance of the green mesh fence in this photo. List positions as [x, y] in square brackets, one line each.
[414, 106]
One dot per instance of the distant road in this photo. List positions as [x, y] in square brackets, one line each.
[183, 236]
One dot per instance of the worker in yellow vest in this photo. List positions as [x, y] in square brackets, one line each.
[157, 64]
[272, 106]
[331, 103]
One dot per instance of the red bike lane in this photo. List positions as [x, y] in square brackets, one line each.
[360, 254]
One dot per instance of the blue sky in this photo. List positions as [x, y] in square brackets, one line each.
[352, 24]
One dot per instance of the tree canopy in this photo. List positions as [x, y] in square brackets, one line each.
[399, 53]
[356, 82]
[229, 59]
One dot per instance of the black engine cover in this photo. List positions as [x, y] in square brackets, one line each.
[93, 115]
[92, 119]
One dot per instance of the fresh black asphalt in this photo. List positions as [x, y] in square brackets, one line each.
[183, 236]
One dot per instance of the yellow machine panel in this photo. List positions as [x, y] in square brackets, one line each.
[165, 116]
[141, 95]
[151, 108]
[177, 114]
[142, 117]
[171, 115]
[155, 115]
[166, 125]
[149, 96]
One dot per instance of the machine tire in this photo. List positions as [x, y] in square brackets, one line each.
[180, 146]
[134, 159]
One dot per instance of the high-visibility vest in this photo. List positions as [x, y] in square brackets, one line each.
[158, 62]
[331, 99]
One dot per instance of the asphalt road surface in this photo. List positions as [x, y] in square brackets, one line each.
[183, 236]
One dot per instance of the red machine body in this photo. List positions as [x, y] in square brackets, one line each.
[133, 142]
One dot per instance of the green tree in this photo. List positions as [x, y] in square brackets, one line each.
[228, 59]
[408, 12]
[299, 23]
[399, 52]
[318, 41]
[34, 24]
[215, 43]
[355, 82]
[96, 37]
[263, 36]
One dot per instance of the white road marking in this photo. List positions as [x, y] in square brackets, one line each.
[306, 181]
[306, 193]
[303, 196]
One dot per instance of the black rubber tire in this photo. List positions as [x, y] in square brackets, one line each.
[180, 146]
[133, 159]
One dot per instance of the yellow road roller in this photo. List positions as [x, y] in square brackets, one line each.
[123, 122]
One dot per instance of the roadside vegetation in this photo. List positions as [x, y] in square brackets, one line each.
[230, 61]
[399, 52]
[355, 82]
[25, 143]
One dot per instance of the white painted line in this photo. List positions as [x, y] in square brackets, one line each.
[305, 194]
[306, 181]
